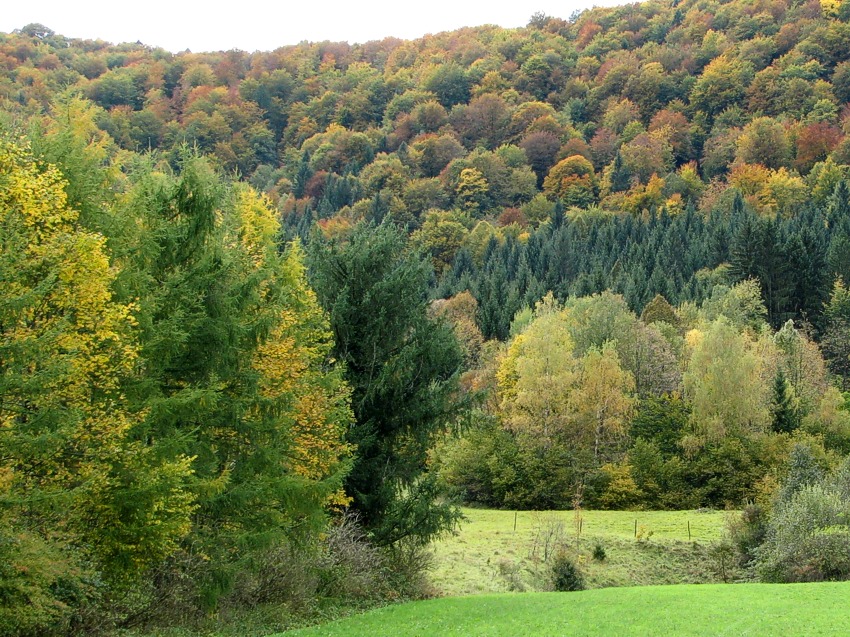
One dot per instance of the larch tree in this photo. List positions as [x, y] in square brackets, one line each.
[70, 470]
[236, 367]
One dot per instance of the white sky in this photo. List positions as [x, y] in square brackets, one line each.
[260, 25]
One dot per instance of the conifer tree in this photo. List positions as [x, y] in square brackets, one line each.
[73, 480]
[403, 370]
[236, 376]
[785, 418]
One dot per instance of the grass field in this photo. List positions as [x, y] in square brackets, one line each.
[690, 610]
[489, 556]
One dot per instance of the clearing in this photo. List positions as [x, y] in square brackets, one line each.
[489, 556]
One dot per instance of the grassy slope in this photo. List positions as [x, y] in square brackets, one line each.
[714, 609]
[488, 556]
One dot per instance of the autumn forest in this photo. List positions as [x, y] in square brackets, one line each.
[267, 319]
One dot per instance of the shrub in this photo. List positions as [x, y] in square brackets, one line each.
[599, 553]
[565, 574]
[408, 564]
[747, 532]
[807, 538]
[352, 567]
[511, 573]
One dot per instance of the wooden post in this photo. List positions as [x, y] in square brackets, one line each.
[515, 514]
[635, 527]
[689, 530]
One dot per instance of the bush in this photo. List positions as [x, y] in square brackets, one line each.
[43, 586]
[408, 565]
[352, 568]
[747, 532]
[807, 538]
[599, 553]
[565, 574]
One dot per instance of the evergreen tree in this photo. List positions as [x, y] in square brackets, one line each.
[836, 333]
[785, 418]
[620, 176]
[838, 253]
[302, 176]
[221, 314]
[838, 206]
[403, 370]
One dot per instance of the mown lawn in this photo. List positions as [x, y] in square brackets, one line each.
[711, 609]
[489, 556]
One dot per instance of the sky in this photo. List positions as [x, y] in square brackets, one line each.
[259, 25]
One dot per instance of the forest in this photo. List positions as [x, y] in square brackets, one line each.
[267, 318]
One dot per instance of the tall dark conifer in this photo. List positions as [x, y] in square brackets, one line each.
[403, 369]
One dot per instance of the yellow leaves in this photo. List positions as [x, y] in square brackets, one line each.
[830, 8]
[693, 338]
[258, 224]
[642, 198]
[77, 117]
[37, 196]
[68, 343]
[313, 401]
[471, 188]
[770, 192]
[536, 375]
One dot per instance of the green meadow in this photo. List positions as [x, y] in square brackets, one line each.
[712, 609]
[501, 551]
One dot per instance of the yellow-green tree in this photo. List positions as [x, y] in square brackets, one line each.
[71, 476]
[236, 369]
[536, 378]
[724, 382]
[603, 399]
[573, 180]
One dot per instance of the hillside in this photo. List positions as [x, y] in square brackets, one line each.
[482, 133]
[267, 319]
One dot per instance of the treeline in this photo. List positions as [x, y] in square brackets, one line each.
[181, 415]
[694, 406]
[725, 122]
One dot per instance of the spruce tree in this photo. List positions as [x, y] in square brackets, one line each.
[784, 415]
[403, 369]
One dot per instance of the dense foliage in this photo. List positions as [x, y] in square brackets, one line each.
[596, 406]
[402, 367]
[166, 401]
[623, 238]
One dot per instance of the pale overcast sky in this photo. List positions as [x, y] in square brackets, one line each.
[253, 25]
